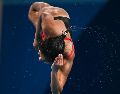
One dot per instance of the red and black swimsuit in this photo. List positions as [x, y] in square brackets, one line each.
[72, 52]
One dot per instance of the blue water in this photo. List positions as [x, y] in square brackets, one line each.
[97, 40]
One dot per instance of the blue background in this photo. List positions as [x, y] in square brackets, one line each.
[96, 35]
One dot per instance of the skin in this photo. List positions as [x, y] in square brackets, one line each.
[52, 28]
[35, 10]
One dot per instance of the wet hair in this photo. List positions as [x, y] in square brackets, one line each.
[51, 47]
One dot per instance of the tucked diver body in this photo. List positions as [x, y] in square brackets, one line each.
[53, 41]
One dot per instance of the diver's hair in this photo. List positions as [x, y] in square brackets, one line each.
[52, 47]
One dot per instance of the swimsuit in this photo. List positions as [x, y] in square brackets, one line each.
[71, 53]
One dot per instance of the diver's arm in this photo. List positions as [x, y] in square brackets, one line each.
[59, 75]
[37, 37]
[38, 33]
[55, 86]
[61, 68]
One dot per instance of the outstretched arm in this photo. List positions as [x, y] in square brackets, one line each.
[60, 71]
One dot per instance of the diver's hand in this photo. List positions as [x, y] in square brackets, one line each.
[58, 62]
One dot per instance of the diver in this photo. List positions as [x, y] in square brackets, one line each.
[53, 41]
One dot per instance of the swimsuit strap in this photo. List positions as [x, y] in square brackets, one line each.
[43, 35]
[66, 22]
[70, 55]
[70, 39]
[64, 19]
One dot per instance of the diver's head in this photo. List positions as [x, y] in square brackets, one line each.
[51, 47]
